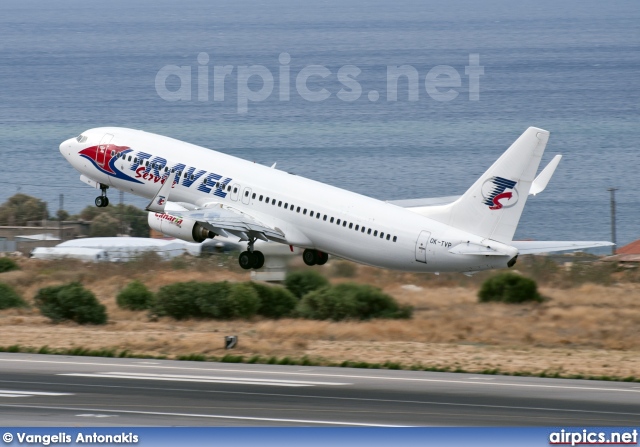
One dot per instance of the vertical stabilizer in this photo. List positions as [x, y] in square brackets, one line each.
[492, 207]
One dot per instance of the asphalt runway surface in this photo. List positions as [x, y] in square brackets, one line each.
[47, 390]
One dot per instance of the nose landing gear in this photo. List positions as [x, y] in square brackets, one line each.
[102, 200]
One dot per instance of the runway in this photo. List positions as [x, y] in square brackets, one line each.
[45, 390]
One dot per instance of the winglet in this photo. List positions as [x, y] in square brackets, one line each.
[541, 181]
[159, 201]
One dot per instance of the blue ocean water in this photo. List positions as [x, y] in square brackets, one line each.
[571, 67]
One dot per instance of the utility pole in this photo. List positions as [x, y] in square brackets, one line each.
[120, 213]
[60, 216]
[612, 191]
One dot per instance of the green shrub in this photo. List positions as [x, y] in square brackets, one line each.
[10, 298]
[8, 265]
[179, 300]
[70, 302]
[509, 288]
[222, 300]
[242, 302]
[135, 296]
[350, 301]
[275, 302]
[303, 282]
[226, 301]
[210, 301]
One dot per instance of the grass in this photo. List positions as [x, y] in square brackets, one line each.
[304, 361]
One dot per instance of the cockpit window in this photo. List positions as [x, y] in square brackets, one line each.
[81, 138]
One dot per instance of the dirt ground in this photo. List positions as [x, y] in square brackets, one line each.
[592, 330]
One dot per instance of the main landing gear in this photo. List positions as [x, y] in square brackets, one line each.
[251, 259]
[314, 257]
[102, 200]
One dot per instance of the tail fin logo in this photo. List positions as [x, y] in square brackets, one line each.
[499, 193]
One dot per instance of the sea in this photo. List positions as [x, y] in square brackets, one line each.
[313, 87]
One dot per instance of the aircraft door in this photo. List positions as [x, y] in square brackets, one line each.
[102, 157]
[421, 246]
[246, 196]
[235, 192]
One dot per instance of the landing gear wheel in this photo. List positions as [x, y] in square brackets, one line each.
[246, 260]
[102, 200]
[259, 260]
[322, 258]
[310, 257]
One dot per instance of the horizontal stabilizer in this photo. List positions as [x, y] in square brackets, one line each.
[530, 247]
[429, 201]
[541, 181]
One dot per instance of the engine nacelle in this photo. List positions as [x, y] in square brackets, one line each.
[186, 229]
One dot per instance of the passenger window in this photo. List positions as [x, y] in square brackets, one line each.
[246, 193]
[286, 205]
[298, 210]
[229, 188]
[344, 224]
[388, 236]
[317, 215]
[305, 211]
[267, 200]
[311, 213]
[357, 227]
[369, 231]
[260, 197]
[280, 203]
[129, 159]
[273, 201]
[253, 196]
[331, 220]
[235, 190]
[381, 235]
[113, 153]
[375, 233]
[350, 226]
[325, 218]
[363, 229]
[395, 238]
[338, 222]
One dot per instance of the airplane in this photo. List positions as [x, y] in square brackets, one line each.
[196, 194]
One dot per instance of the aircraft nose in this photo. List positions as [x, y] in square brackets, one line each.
[65, 147]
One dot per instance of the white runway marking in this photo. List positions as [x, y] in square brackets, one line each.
[342, 376]
[209, 416]
[363, 399]
[15, 393]
[96, 416]
[202, 379]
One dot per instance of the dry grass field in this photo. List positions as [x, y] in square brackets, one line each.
[582, 327]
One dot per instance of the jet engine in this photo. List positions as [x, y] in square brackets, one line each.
[186, 229]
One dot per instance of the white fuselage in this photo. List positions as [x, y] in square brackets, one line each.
[317, 215]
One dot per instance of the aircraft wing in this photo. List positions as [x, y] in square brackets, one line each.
[225, 220]
[530, 247]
